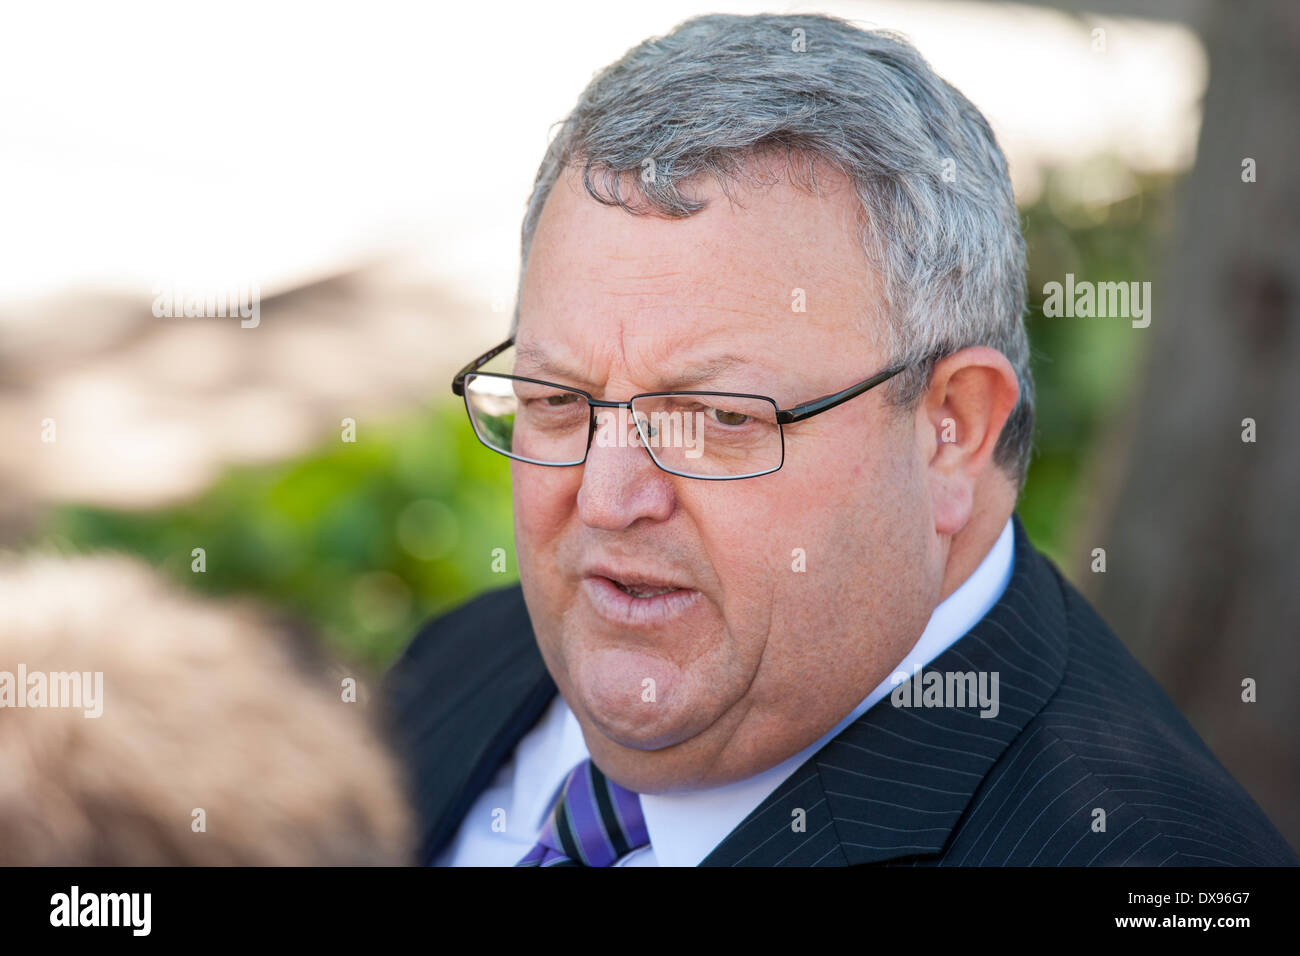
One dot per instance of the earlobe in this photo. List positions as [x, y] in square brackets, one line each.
[951, 502]
[948, 442]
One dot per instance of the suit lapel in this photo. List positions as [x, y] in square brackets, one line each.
[517, 697]
[457, 725]
[895, 782]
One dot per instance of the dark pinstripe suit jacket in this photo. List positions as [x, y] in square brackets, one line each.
[1081, 726]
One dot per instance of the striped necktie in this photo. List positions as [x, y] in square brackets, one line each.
[594, 823]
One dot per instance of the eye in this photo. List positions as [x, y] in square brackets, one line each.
[559, 401]
[550, 401]
[724, 417]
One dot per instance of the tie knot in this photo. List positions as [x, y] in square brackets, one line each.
[594, 823]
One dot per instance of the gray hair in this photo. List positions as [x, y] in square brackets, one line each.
[940, 229]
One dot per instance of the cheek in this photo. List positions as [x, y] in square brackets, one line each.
[785, 567]
[750, 536]
[833, 538]
[543, 499]
[740, 529]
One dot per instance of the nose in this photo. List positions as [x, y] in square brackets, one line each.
[621, 485]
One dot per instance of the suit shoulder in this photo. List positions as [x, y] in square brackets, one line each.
[1109, 772]
[479, 633]
[502, 609]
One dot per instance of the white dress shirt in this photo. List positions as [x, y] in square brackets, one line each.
[684, 828]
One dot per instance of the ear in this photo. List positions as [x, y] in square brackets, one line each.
[960, 416]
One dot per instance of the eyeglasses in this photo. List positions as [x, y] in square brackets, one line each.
[715, 436]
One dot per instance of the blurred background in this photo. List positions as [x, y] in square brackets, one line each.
[366, 170]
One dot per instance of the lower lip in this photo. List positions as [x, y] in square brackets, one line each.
[618, 607]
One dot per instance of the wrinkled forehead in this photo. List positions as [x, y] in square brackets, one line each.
[762, 277]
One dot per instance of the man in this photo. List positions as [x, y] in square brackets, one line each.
[788, 611]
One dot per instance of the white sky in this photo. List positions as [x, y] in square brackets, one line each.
[256, 142]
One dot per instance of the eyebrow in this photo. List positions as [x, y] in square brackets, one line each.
[697, 373]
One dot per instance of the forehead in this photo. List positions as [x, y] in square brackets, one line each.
[777, 273]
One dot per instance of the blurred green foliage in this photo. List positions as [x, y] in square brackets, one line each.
[1102, 223]
[365, 540]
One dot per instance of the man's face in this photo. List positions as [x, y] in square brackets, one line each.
[797, 591]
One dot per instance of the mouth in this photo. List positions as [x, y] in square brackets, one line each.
[641, 590]
[632, 601]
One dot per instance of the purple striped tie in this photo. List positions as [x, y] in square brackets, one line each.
[594, 823]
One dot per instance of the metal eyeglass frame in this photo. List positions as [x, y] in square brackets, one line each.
[788, 416]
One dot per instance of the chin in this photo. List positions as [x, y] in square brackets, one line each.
[636, 699]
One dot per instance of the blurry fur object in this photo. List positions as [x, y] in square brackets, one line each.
[205, 706]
